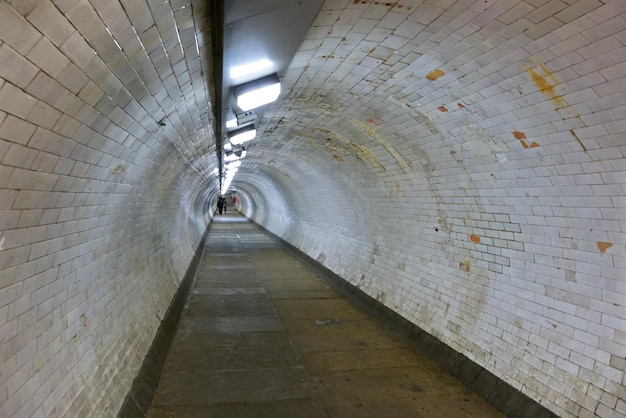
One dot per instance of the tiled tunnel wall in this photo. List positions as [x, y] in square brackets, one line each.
[105, 149]
[463, 162]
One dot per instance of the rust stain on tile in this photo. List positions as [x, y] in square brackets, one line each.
[465, 265]
[526, 145]
[474, 238]
[372, 121]
[362, 152]
[461, 105]
[541, 81]
[383, 141]
[519, 135]
[603, 246]
[382, 3]
[120, 169]
[578, 140]
[433, 75]
[545, 83]
[442, 109]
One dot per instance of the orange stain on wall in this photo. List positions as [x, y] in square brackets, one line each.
[521, 136]
[546, 83]
[527, 145]
[603, 246]
[433, 75]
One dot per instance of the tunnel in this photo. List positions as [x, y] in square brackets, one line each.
[460, 164]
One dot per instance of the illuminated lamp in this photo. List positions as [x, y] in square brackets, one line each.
[247, 69]
[241, 153]
[233, 165]
[231, 123]
[231, 157]
[247, 133]
[258, 92]
[230, 119]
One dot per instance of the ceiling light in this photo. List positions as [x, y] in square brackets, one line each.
[233, 165]
[258, 92]
[226, 184]
[245, 118]
[234, 155]
[241, 153]
[247, 133]
[231, 123]
[230, 119]
[230, 157]
[247, 69]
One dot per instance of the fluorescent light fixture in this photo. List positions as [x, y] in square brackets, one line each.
[230, 119]
[233, 165]
[231, 123]
[245, 118]
[231, 157]
[234, 155]
[238, 137]
[250, 68]
[241, 152]
[258, 92]
[226, 184]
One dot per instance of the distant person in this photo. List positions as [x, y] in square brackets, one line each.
[220, 204]
[225, 204]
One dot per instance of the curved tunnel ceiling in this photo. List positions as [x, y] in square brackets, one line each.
[414, 90]
[259, 39]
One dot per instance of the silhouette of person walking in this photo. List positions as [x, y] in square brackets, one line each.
[221, 202]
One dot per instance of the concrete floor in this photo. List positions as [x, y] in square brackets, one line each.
[262, 335]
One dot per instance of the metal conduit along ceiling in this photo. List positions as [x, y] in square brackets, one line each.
[260, 38]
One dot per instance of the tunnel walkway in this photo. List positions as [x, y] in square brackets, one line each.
[262, 335]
